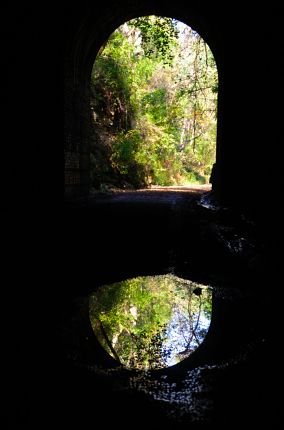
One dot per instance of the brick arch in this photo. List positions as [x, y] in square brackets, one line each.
[237, 44]
[88, 36]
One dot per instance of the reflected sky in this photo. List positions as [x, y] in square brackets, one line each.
[151, 322]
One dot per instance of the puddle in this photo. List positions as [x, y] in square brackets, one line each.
[154, 322]
[151, 322]
[207, 202]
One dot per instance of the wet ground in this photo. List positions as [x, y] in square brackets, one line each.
[126, 234]
[223, 382]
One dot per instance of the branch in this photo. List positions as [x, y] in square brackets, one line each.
[105, 336]
[199, 89]
[191, 323]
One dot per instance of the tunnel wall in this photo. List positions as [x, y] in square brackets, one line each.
[241, 40]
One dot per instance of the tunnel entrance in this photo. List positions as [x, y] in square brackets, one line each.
[154, 107]
[201, 241]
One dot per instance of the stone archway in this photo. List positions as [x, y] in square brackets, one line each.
[237, 46]
[90, 34]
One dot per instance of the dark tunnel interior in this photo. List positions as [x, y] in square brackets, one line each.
[56, 259]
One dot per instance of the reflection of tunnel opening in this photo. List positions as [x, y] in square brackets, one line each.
[185, 389]
[151, 322]
[154, 106]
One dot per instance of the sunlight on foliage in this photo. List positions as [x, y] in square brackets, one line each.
[151, 322]
[154, 100]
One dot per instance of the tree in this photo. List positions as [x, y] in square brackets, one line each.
[159, 36]
[149, 322]
[154, 101]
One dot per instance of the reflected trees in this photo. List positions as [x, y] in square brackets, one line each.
[151, 322]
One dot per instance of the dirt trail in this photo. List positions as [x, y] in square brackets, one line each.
[150, 196]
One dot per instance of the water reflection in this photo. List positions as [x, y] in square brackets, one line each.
[151, 322]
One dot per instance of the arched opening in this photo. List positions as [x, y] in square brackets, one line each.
[154, 92]
[79, 119]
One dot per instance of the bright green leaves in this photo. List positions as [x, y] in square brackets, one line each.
[151, 322]
[155, 104]
[159, 36]
[154, 99]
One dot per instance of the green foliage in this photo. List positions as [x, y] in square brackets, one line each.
[155, 105]
[125, 157]
[154, 98]
[137, 314]
[159, 35]
[113, 305]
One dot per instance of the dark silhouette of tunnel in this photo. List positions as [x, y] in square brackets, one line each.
[224, 245]
[239, 61]
[193, 237]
